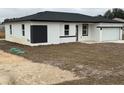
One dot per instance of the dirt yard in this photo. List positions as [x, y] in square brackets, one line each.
[93, 63]
[18, 70]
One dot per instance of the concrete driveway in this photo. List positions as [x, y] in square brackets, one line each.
[95, 42]
[118, 41]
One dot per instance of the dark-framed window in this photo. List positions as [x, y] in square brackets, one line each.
[10, 27]
[85, 30]
[66, 30]
[23, 30]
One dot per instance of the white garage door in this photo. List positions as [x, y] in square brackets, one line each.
[110, 34]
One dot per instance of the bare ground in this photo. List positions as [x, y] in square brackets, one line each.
[18, 70]
[93, 63]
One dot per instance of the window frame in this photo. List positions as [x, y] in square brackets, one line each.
[85, 27]
[66, 30]
[10, 27]
[23, 30]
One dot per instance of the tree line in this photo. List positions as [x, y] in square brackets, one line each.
[114, 13]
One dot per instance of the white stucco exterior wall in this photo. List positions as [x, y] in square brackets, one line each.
[54, 31]
[17, 33]
[72, 32]
[93, 33]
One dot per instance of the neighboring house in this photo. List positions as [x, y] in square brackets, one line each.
[121, 20]
[48, 27]
[2, 31]
[2, 28]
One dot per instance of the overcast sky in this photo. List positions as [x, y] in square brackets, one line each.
[19, 12]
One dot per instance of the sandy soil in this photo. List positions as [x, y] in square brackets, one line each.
[93, 63]
[18, 70]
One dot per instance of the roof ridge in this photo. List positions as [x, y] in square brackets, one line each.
[63, 12]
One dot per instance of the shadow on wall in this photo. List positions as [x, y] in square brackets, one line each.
[123, 36]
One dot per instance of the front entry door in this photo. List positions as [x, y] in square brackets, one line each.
[38, 34]
[76, 32]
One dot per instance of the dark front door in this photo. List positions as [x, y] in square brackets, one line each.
[76, 32]
[38, 34]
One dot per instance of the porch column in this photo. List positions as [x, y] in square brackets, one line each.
[100, 34]
[121, 33]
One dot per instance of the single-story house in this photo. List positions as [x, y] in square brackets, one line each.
[118, 19]
[50, 27]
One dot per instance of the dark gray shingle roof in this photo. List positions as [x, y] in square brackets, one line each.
[50, 16]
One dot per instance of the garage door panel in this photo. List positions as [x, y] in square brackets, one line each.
[38, 34]
[110, 34]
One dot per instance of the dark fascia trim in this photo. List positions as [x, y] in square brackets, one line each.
[78, 21]
[66, 36]
[109, 27]
[61, 21]
[50, 21]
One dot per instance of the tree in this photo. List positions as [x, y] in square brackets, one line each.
[114, 13]
[118, 13]
[99, 16]
[108, 14]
